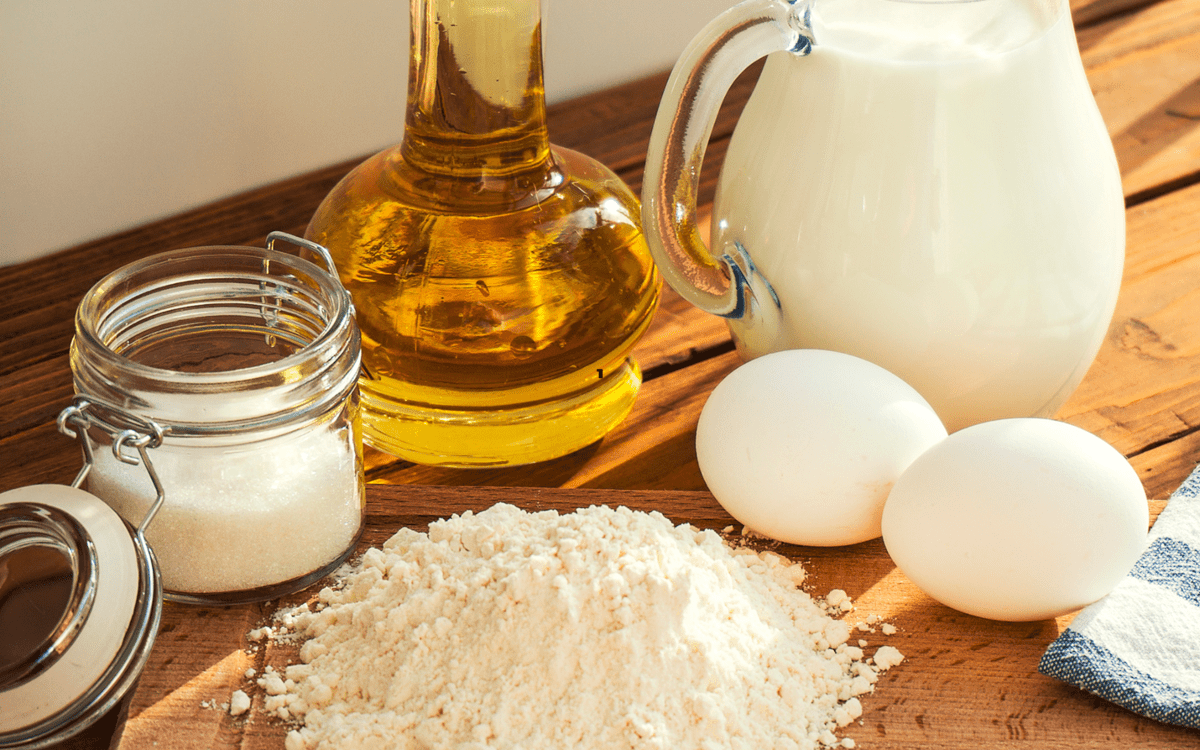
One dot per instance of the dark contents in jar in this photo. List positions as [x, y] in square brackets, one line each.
[35, 590]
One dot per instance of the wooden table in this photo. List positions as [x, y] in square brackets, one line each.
[966, 682]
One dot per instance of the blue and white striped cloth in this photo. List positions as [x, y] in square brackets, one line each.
[1139, 647]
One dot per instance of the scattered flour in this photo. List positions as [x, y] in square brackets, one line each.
[887, 657]
[239, 703]
[838, 600]
[868, 625]
[596, 629]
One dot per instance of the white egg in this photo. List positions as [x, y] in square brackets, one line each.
[1017, 519]
[803, 445]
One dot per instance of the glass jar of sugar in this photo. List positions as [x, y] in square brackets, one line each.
[246, 361]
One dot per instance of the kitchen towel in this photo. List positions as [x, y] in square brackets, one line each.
[1139, 647]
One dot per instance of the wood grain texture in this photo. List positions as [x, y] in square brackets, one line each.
[1090, 12]
[1143, 391]
[1144, 68]
[965, 682]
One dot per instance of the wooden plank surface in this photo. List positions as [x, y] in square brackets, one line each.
[1142, 393]
[1144, 68]
[965, 681]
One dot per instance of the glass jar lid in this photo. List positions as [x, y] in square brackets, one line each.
[80, 602]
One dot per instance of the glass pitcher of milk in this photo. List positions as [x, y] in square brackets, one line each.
[924, 184]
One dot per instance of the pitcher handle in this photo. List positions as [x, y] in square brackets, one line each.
[698, 83]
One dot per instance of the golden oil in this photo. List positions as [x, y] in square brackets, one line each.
[500, 283]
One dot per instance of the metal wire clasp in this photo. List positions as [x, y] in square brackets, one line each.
[129, 432]
[270, 306]
[308, 245]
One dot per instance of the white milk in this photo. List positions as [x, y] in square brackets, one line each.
[945, 203]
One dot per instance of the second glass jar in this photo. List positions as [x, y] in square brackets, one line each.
[246, 359]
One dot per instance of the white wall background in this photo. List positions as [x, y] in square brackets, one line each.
[120, 112]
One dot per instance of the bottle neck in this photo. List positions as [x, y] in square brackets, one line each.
[476, 106]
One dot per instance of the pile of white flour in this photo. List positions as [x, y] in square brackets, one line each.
[595, 629]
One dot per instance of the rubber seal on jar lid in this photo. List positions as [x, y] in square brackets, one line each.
[80, 602]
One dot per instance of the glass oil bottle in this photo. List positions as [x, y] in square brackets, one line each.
[500, 282]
